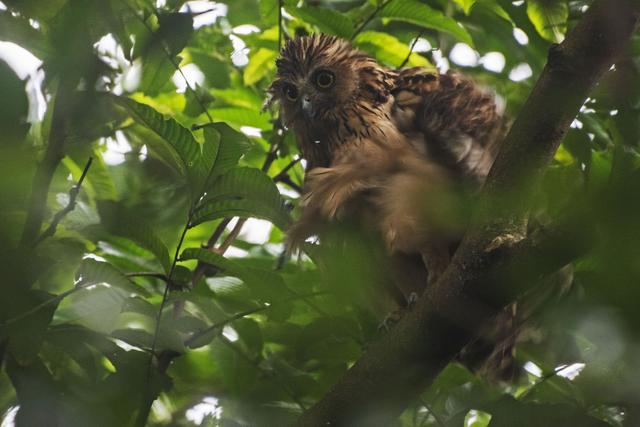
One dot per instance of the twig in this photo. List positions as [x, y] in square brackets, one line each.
[189, 341]
[201, 267]
[218, 232]
[143, 415]
[380, 6]
[284, 172]
[160, 276]
[542, 379]
[73, 194]
[233, 235]
[167, 53]
[287, 181]
[78, 287]
[413, 45]
[43, 304]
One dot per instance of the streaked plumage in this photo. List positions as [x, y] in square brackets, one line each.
[398, 151]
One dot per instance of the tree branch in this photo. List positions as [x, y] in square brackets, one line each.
[413, 46]
[477, 283]
[73, 195]
[381, 5]
[63, 109]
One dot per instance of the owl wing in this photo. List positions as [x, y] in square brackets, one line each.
[460, 121]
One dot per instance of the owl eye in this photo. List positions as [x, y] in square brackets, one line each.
[291, 92]
[324, 79]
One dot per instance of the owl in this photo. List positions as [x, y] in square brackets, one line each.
[399, 152]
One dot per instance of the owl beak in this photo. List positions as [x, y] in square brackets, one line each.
[307, 106]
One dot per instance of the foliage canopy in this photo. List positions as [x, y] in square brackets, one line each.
[172, 244]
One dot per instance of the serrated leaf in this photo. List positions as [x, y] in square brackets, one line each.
[185, 153]
[243, 192]
[420, 14]
[185, 148]
[327, 20]
[261, 63]
[93, 272]
[549, 17]
[389, 49]
[223, 148]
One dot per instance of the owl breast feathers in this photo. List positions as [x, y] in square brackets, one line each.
[400, 151]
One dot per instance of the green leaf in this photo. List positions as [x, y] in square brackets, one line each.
[327, 20]
[268, 286]
[497, 9]
[549, 17]
[93, 272]
[37, 9]
[16, 29]
[242, 117]
[157, 71]
[466, 5]
[238, 375]
[420, 14]
[24, 336]
[180, 149]
[389, 49]
[250, 333]
[239, 97]
[98, 182]
[216, 71]
[492, 5]
[243, 192]
[261, 63]
[174, 32]
[134, 230]
[198, 100]
[97, 308]
[269, 11]
[223, 148]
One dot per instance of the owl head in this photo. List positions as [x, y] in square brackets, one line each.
[328, 92]
[318, 76]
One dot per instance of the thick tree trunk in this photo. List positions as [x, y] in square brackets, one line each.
[477, 284]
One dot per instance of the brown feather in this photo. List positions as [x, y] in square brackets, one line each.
[400, 151]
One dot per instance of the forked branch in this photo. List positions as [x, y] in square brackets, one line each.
[476, 286]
